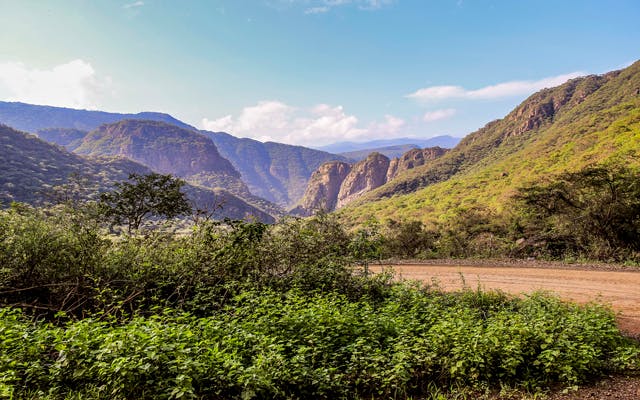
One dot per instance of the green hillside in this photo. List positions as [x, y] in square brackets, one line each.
[32, 169]
[585, 121]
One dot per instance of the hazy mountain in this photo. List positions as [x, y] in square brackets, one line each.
[32, 118]
[388, 151]
[67, 137]
[32, 168]
[275, 171]
[584, 121]
[162, 147]
[444, 141]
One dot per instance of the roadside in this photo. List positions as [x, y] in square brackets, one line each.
[613, 285]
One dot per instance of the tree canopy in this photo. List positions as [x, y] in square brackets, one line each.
[144, 196]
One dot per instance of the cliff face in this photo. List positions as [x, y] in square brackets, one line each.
[323, 188]
[413, 158]
[365, 175]
[335, 184]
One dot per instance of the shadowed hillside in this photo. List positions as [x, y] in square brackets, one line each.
[32, 169]
[275, 171]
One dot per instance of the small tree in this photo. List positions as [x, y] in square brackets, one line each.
[143, 196]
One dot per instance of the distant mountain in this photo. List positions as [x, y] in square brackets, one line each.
[169, 149]
[32, 118]
[66, 137]
[32, 168]
[274, 171]
[587, 120]
[444, 141]
[336, 184]
[388, 151]
[162, 147]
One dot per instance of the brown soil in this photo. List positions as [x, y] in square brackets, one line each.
[616, 286]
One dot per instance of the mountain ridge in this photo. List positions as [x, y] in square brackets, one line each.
[32, 117]
[584, 121]
[33, 168]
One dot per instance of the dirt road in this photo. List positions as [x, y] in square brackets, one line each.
[620, 289]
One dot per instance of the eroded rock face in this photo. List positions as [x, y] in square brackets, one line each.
[413, 158]
[323, 188]
[365, 176]
[335, 184]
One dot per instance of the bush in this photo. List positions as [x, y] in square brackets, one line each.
[296, 345]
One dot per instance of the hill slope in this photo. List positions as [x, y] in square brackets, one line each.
[584, 121]
[32, 167]
[32, 118]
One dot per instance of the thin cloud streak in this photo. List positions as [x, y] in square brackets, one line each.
[498, 91]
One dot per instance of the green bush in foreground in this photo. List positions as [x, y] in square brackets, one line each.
[293, 345]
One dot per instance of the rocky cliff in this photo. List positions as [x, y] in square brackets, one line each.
[335, 184]
[323, 188]
[413, 158]
[364, 176]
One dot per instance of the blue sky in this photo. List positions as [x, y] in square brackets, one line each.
[309, 72]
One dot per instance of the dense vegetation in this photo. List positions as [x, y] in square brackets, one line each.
[246, 310]
[591, 214]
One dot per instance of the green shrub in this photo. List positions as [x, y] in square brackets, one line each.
[295, 345]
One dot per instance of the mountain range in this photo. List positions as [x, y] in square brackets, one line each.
[444, 141]
[587, 120]
[33, 170]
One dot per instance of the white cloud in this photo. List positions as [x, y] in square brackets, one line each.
[223, 124]
[135, 4]
[389, 127]
[316, 10]
[500, 90]
[74, 84]
[276, 121]
[324, 6]
[437, 115]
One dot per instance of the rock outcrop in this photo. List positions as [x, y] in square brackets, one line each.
[365, 176]
[162, 147]
[413, 158]
[335, 184]
[323, 188]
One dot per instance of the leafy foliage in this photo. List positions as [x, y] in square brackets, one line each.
[146, 195]
[595, 210]
[291, 345]
[245, 310]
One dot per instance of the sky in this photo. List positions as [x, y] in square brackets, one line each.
[309, 72]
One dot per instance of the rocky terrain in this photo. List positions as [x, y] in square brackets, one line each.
[335, 184]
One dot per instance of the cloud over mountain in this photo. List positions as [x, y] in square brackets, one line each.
[73, 84]
[497, 91]
[274, 120]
